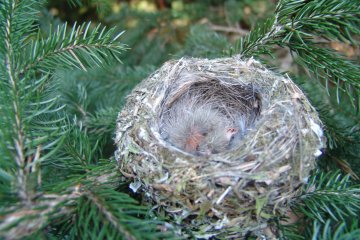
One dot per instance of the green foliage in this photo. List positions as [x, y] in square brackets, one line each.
[78, 48]
[329, 231]
[110, 214]
[307, 28]
[298, 25]
[103, 6]
[341, 127]
[62, 86]
[51, 168]
[331, 81]
[236, 11]
[203, 42]
[330, 195]
[343, 231]
[31, 119]
[327, 209]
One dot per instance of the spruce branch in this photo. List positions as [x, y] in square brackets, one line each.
[8, 12]
[342, 129]
[328, 19]
[66, 177]
[328, 65]
[33, 125]
[23, 221]
[80, 48]
[316, 230]
[341, 231]
[102, 212]
[110, 217]
[18, 20]
[298, 25]
[326, 209]
[21, 95]
[329, 195]
[102, 122]
[87, 206]
[113, 215]
[339, 136]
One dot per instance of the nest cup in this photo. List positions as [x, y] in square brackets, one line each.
[236, 188]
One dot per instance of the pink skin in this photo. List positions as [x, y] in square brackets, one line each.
[199, 128]
[197, 143]
[230, 132]
[193, 141]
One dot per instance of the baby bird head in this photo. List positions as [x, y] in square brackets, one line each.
[198, 128]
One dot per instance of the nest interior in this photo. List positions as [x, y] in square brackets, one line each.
[271, 136]
[208, 117]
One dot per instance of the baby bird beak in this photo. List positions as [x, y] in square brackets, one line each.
[193, 142]
[230, 132]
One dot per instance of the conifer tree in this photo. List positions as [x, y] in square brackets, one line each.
[62, 86]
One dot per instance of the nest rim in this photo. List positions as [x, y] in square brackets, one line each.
[172, 177]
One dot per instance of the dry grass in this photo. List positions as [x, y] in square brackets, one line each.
[239, 188]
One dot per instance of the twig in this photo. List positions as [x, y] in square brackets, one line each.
[19, 140]
[27, 220]
[219, 28]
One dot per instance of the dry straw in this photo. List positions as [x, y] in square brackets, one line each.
[238, 188]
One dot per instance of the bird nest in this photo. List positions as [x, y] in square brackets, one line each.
[220, 144]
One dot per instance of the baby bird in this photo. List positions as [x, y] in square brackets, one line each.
[198, 128]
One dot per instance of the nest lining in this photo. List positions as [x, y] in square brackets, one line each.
[273, 153]
[209, 117]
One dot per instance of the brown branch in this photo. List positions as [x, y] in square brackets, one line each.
[219, 28]
[28, 220]
[19, 139]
